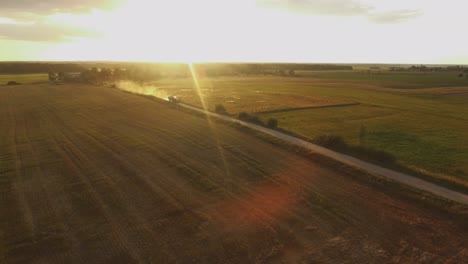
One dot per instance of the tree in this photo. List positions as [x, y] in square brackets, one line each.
[61, 76]
[12, 83]
[243, 116]
[272, 123]
[362, 133]
[118, 74]
[105, 74]
[52, 76]
[220, 109]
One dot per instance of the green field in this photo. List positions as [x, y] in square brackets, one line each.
[390, 79]
[23, 78]
[425, 128]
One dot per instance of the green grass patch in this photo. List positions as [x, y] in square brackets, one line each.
[425, 141]
[389, 79]
[23, 78]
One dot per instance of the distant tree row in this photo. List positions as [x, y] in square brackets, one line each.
[424, 68]
[281, 69]
[102, 71]
[139, 74]
[29, 67]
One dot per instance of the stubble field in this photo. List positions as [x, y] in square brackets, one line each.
[93, 175]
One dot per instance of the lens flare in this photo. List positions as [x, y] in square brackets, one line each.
[213, 129]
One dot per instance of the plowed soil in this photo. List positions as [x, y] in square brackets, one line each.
[95, 175]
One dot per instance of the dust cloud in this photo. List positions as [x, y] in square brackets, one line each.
[146, 89]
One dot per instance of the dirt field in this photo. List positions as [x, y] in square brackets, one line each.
[95, 175]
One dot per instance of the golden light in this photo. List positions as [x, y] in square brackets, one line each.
[170, 31]
[214, 130]
[244, 31]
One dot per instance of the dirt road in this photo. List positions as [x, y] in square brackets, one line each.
[95, 175]
[354, 162]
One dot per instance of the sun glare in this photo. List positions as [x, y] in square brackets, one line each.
[214, 131]
[246, 31]
[171, 31]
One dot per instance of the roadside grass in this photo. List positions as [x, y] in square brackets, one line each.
[23, 78]
[428, 143]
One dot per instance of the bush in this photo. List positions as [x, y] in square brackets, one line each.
[220, 109]
[250, 118]
[243, 116]
[12, 83]
[331, 141]
[272, 123]
[255, 120]
[373, 154]
[337, 143]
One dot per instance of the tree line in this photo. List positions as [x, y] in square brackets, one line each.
[165, 69]
[424, 68]
[39, 67]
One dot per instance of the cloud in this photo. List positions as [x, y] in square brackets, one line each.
[342, 8]
[396, 16]
[54, 6]
[29, 19]
[42, 32]
[320, 7]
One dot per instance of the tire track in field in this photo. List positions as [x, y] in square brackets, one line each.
[177, 155]
[249, 190]
[336, 217]
[163, 153]
[70, 154]
[122, 165]
[20, 190]
[188, 201]
[93, 143]
[242, 157]
[178, 191]
[76, 174]
[267, 226]
[134, 206]
[47, 225]
[76, 221]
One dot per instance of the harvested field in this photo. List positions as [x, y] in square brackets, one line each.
[251, 95]
[96, 175]
[257, 101]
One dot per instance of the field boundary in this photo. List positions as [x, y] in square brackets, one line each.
[306, 107]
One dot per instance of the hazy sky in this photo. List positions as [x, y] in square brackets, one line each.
[393, 31]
